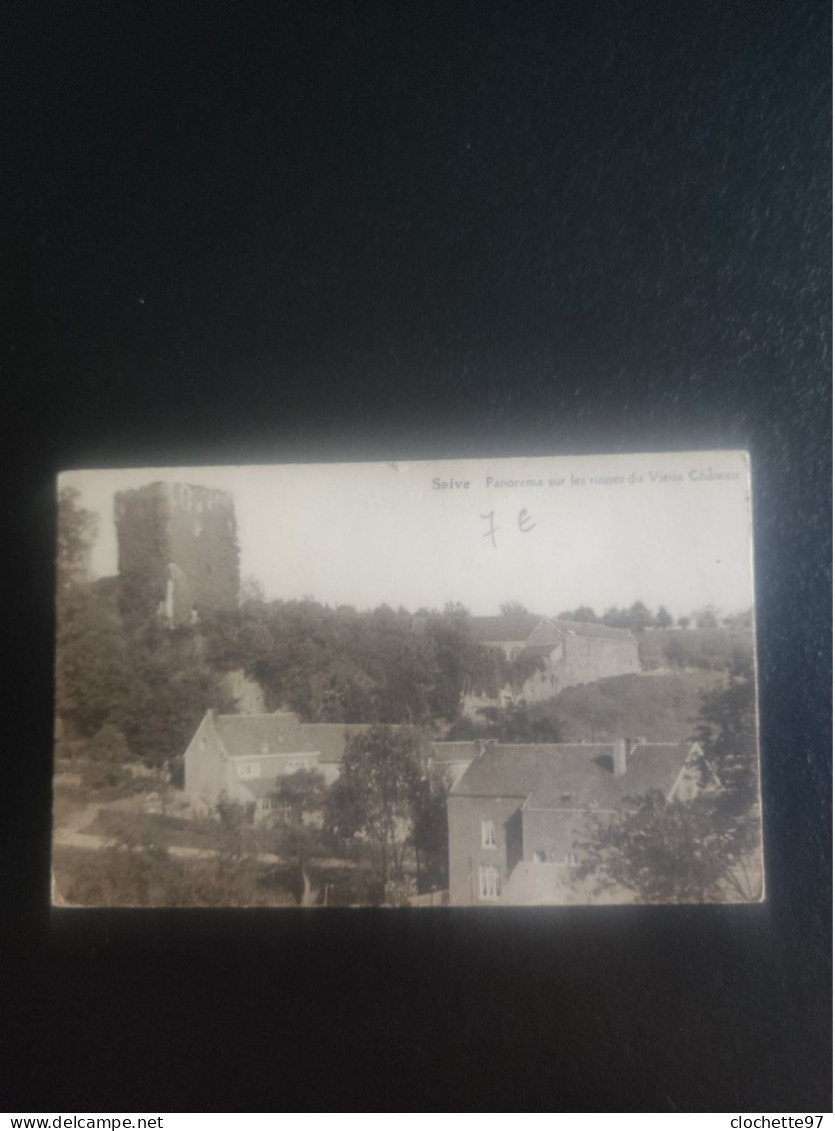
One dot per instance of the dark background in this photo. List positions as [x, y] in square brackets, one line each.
[268, 232]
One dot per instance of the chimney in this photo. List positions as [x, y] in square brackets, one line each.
[212, 713]
[619, 757]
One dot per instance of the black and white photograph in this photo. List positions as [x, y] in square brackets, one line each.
[471, 683]
[431, 708]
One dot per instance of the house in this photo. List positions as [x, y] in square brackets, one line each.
[451, 759]
[516, 813]
[239, 757]
[550, 655]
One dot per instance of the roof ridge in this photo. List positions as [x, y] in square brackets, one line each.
[259, 715]
[539, 745]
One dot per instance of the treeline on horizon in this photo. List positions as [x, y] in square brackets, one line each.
[638, 617]
[143, 690]
[127, 689]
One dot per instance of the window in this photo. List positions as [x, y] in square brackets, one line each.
[488, 833]
[249, 770]
[489, 881]
[571, 858]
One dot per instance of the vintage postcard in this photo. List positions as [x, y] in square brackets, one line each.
[480, 683]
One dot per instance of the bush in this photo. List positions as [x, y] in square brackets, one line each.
[713, 649]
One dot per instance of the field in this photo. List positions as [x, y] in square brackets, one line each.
[714, 649]
[661, 707]
[110, 851]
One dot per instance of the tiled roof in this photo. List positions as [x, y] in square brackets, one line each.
[506, 630]
[581, 628]
[247, 735]
[330, 739]
[283, 733]
[456, 751]
[503, 630]
[571, 776]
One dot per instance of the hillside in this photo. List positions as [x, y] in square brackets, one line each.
[656, 706]
[712, 648]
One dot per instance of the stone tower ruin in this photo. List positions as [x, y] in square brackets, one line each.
[178, 552]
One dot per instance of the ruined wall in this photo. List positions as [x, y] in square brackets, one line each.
[588, 658]
[204, 545]
[178, 552]
[245, 693]
[575, 660]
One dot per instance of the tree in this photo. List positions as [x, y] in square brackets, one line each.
[252, 593]
[615, 617]
[77, 530]
[663, 618]
[677, 652]
[460, 663]
[583, 614]
[377, 794]
[92, 670]
[513, 609]
[683, 622]
[708, 617]
[639, 617]
[727, 732]
[673, 852]
[744, 619]
[430, 832]
[301, 797]
[704, 848]
[516, 723]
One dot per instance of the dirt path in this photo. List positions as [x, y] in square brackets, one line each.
[72, 838]
[73, 824]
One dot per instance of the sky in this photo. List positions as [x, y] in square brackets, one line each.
[551, 533]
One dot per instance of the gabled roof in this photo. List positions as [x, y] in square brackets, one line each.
[456, 751]
[330, 739]
[253, 736]
[520, 629]
[504, 630]
[604, 631]
[539, 631]
[572, 775]
[248, 735]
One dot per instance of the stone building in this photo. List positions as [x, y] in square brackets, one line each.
[517, 813]
[241, 757]
[551, 655]
[178, 552]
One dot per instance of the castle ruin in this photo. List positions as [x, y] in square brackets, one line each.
[178, 552]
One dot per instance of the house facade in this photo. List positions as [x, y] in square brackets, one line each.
[241, 757]
[551, 655]
[516, 814]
